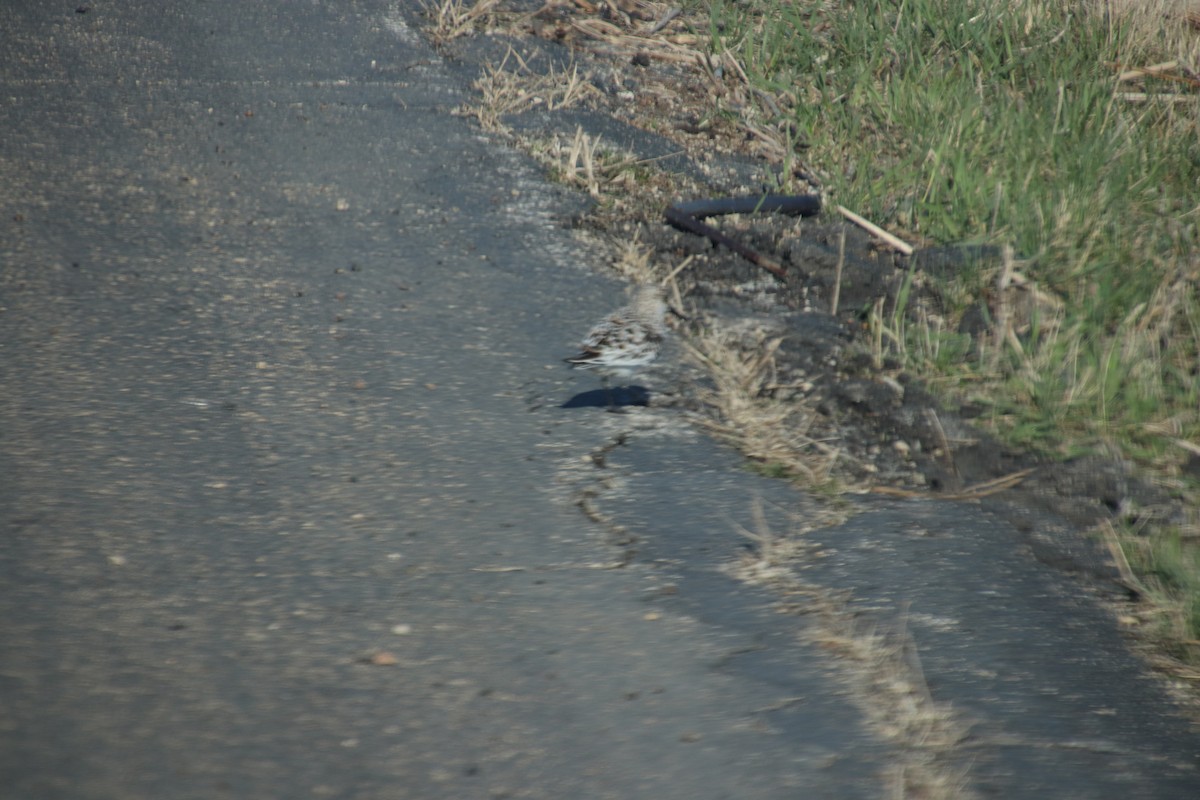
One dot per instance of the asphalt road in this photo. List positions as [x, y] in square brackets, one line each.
[291, 471]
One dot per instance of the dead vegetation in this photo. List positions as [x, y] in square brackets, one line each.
[777, 434]
[505, 90]
[450, 19]
[882, 670]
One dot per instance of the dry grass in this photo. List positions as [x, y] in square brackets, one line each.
[1170, 25]
[747, 411]
[576, 164]
[506, 91]
[606, 173]
[451, 19]
[634, 259]
[881, 670]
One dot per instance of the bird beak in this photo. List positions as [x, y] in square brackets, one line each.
[675, 312]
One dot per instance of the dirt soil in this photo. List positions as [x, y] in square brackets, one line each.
[653, 98]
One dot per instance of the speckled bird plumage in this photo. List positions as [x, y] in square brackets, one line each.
[629, 338]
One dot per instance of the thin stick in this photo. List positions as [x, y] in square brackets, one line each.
[1003, 281]
[899, 244]
[1139, 72]
[686, 216]
[1145, 97]
[837, 275]
[690, 223]
[975, 492]
[996, 204]
[947, 450]
[1186, 445]
[737, 67]
[1128, 577]
[679, 269]
[876, 321]
[630, 162]
[670, 279]
[665, 19]
[1003, 482]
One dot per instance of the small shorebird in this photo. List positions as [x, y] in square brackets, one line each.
[627, 339]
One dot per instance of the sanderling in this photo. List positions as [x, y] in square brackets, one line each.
[627, 339]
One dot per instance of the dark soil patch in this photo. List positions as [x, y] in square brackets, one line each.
[896, 433]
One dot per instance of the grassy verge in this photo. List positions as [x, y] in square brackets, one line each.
[1033, 124]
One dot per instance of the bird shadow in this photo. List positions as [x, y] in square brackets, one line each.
[620, 397]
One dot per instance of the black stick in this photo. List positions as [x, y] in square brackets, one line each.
[687, 216]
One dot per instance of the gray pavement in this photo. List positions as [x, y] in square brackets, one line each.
[290, 498]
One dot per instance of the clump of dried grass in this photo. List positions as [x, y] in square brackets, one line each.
[1170, 25]
[881, 670]
[454, 18]
[512, 91]
[888, 686]
[634, 259]
[749, 412]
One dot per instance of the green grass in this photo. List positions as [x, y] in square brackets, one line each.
[1003, 123]
[1170, 570]
[771, 469]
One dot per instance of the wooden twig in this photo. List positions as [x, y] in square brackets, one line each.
[1003, 282]
[947, 450]
[665, 19]
[737, 68]
[1165, 97]
[686, 216]
[1128, 578]
[694, 225]
[837, 274]
[676, 295]
[974, 492]
[659, 47]
[680, 268]
[1186, 445]
[1141, 72]
[899, 244]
